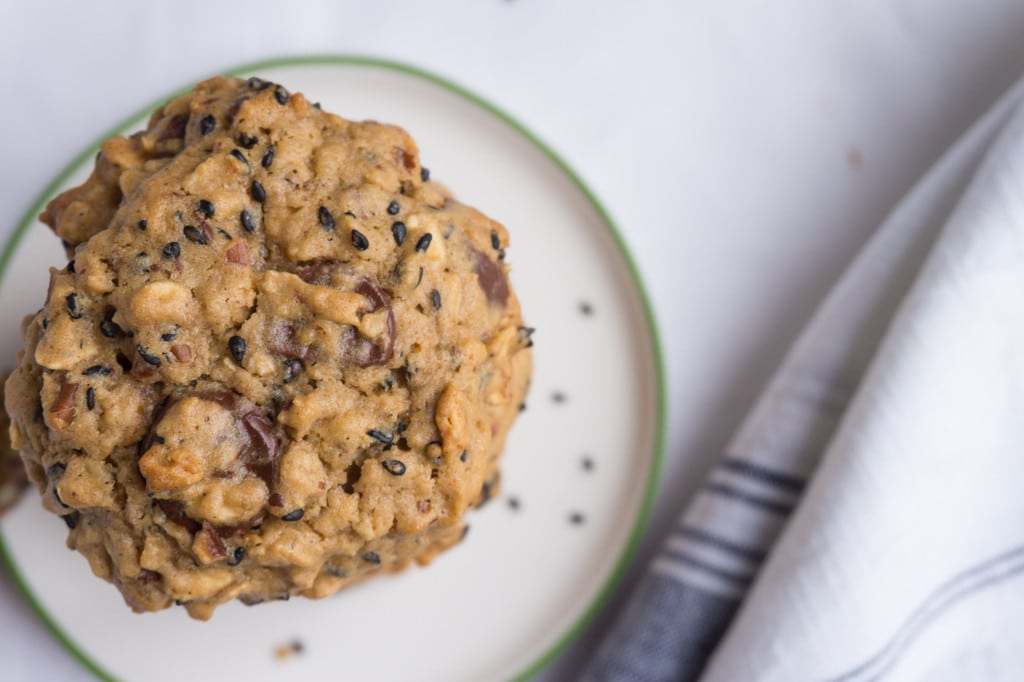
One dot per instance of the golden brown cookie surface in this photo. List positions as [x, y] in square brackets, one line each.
[280, 359]
[12, 471]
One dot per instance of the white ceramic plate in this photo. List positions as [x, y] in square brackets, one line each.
[578, 474]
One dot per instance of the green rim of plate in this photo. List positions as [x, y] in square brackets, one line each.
[29, 218]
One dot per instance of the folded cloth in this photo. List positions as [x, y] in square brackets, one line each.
[867, 520]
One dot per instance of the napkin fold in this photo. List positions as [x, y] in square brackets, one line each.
[867, 519]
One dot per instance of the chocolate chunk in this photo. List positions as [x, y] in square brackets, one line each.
[282, 341]
[63, 408]
[214, 542]
[147, 576]
[317, 271]
[263, 449]
[491, 277]
[174, 129]
[176, 512]
[377, 355]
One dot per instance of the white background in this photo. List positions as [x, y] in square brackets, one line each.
[746, 148]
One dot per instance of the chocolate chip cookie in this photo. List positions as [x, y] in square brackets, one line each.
[280, 358]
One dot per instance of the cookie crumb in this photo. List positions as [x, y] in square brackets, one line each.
[854, 158]
[286, 651]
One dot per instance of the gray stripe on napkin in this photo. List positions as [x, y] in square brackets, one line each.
[669, 642]
[984, 575]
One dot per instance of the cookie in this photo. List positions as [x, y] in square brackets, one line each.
[12, 471]
[280, 359]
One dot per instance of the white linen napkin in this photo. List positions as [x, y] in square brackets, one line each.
[867, 520]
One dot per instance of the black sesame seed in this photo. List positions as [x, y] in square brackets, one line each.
[513, 503]
[206, 207]
[71, 520]
[258, 83]
[236, 556]
[194, 235]
[268, 157]
[102, 370]
[158, 439]
[142, 225]
[109, 328]
[281, 95]
[372, 557]
[240, 157]
[45, 324]
[172, 250]
[207, 124]
[90, 398]
[576, 519]
[423, 243]
[237, 346]
[71, 266]
[151, 359]
[586, 308]
[522, 407]
[378, 435]
[360, 241]
[486, 491]
[224, 233]
[587, 463]
[292, 369]
[394, 466]
[74, 310]
[464, 456]
[258, 193]
[325, 217]
[293, 515]
[424, 174]
[169, 336]
[419, 279]
[247, 223]
[247, 141]
[298, 647]
[398, 230]
[435, 298]
[558, 397]
[394, 207]
[495, 242]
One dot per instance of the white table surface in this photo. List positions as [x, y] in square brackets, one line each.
[746, 149]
